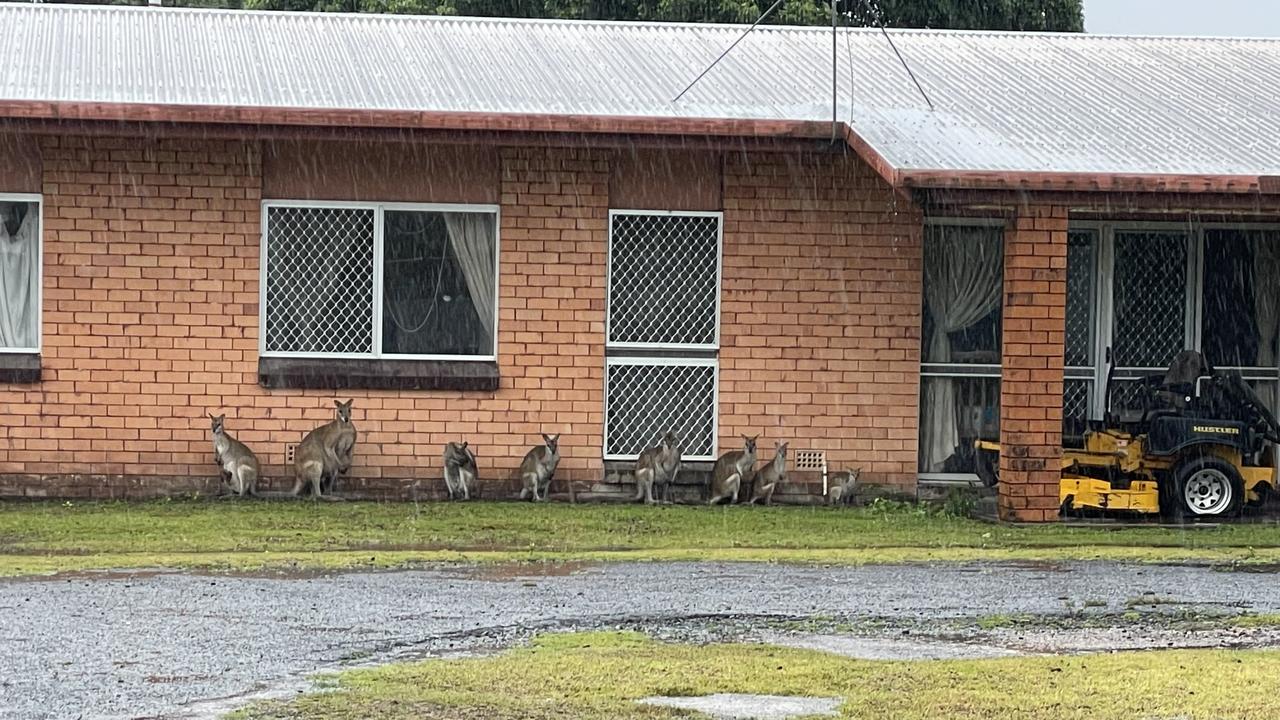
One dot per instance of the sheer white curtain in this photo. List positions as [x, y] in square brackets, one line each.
[472, 237]
[962, 285]
[19, 259]
[1266, 296]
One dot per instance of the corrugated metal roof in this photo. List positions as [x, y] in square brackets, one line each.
[1004, 101]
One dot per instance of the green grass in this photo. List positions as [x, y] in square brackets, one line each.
[600, 675]
[51, 537]
[1257, 620]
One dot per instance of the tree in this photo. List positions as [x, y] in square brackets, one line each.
[1028, 15]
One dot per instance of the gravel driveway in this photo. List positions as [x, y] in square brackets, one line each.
[128, 645]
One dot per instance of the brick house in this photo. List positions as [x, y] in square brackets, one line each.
[486, 229]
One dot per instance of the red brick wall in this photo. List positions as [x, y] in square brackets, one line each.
[821, 313]
[1035, 287]
[150, 321]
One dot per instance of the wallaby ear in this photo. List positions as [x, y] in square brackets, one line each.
[464, 444]
[337, 403]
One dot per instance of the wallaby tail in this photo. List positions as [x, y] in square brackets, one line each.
[639, 486]
[248, 480]
[309, 472]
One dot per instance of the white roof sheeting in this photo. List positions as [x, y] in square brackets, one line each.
[1008, 102]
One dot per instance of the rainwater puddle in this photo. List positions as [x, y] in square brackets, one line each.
[872, 648]
[750, 707]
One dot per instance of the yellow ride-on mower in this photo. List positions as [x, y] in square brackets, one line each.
[1200, 445]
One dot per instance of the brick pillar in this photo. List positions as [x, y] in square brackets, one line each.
[1035, 287]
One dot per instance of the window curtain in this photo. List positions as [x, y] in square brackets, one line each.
[472, 237]
[1266, 296]
[962, 285]
[19, 258]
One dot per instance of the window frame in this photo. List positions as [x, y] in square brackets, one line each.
[379, 241]
[608, 287]
[955, 370]
[643, 360]
[38, 199]
[1193, 301]
[654, 354]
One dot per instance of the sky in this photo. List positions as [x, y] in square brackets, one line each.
[1241, 18]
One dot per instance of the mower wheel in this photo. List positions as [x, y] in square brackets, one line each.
[1207, 487]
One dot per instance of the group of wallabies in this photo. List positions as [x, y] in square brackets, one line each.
[325, 453]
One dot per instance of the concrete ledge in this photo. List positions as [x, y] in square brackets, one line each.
[19, 368]
[341, 374]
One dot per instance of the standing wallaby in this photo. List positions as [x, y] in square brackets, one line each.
[459, 470]
[658, 466]
[325, 453]
[770, 476]
[238, 464]
[842, 493]
[538, 466]
[732, 470]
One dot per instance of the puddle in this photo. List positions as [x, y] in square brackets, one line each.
[500, 572]
[871, 648]
[750, 707]
[73, 575]
[1259, 568]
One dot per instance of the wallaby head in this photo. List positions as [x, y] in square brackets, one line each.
[344, 410]
[780, 450]
[218, 423]
[670, 441]
[457, 451]
[749, 444]
[553, 442]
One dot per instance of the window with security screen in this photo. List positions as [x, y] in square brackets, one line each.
[392, 281]
[664, 298]
[664, 279]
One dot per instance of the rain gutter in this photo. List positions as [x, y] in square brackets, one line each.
[637, 125]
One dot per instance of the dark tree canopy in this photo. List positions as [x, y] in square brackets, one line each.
[1027, 15]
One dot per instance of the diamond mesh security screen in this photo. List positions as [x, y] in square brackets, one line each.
[663, 279]
[1080, 278]
[643, 401]
[1075, 403]
[319, 288]
[1150, 298]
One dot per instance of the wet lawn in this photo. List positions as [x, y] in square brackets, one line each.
[49, 537]
[601, 675]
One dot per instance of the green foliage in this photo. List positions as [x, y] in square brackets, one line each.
[1055, 15]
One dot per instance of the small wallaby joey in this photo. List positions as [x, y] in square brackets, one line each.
[537, 468]
[732, 470]
[840, 492]
[770, 476]
[459, 470]
[658, 467]
[238, 464]
[325, 453]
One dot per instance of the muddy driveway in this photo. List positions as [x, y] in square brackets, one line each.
[127, 645]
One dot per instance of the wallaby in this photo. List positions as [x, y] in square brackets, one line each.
[770, 476]
[657, 466]
[459, 470]
[325, 453]
[732, 470]
[238, 464]
[842, 493]
[538, 466]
